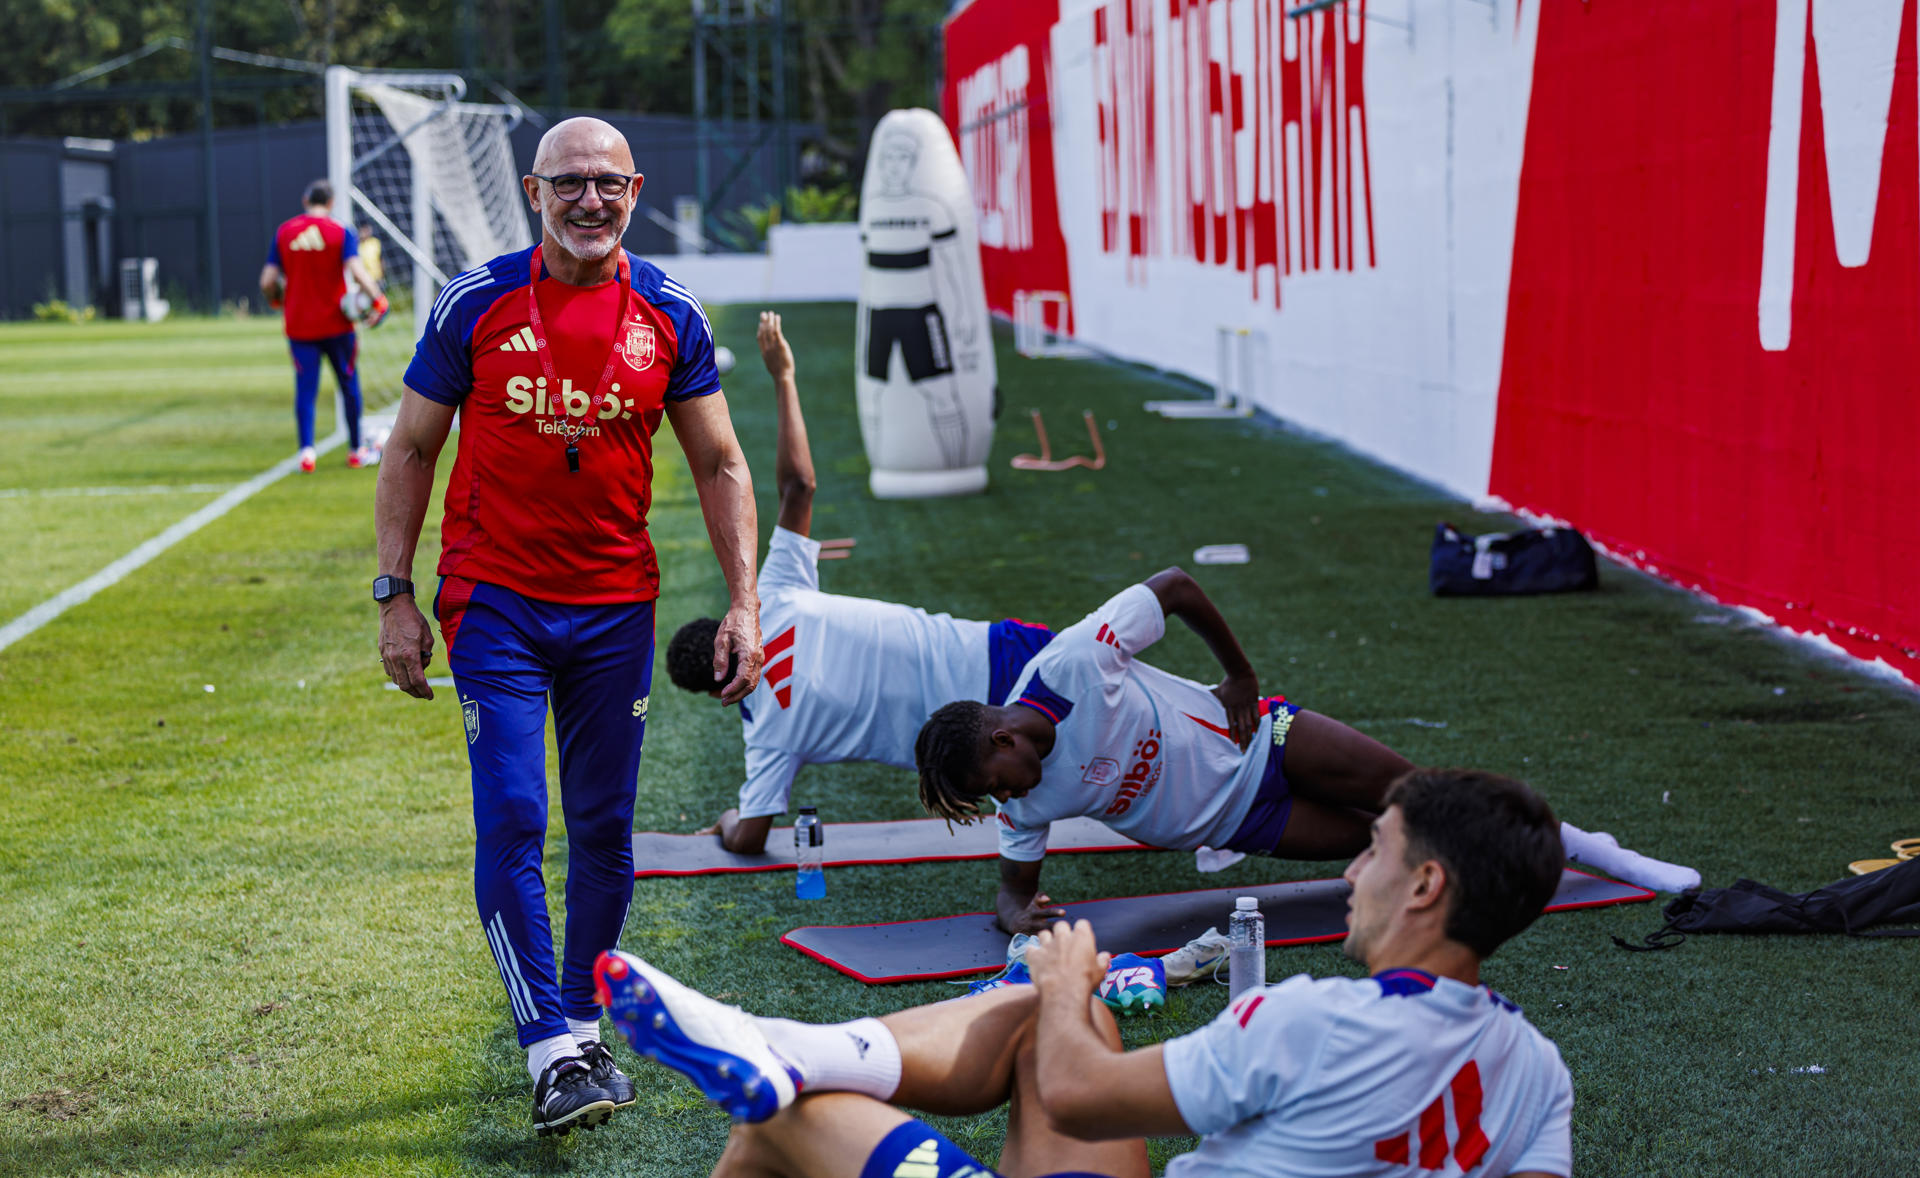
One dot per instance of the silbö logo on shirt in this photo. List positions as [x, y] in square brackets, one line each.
[527, 394]
[1140, 777]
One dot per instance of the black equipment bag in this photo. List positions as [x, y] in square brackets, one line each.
[1852, 906]
[1537, 560]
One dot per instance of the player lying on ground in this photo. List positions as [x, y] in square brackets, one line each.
[1091, 730]
[847, 678]
[1306, 1077]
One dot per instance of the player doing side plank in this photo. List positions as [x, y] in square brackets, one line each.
[848, 678]
[1417, 1069]
[1091, 730]
[561, 361]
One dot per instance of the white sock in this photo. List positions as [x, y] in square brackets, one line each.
[585, 1031]
[861, 1056]
[1602, 850]
[547, 1052]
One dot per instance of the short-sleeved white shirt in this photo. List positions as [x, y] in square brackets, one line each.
[1371, 1076]
[846, 678]
[1143, 751]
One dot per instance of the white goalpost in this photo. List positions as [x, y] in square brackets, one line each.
[433, 176]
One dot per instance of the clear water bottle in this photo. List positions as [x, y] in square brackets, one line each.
[1247, 948]
[810, 853]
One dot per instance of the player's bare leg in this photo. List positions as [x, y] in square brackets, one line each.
[1333, 764]
[817, 1135]
[1035, 1146]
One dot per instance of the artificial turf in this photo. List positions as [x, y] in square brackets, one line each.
[236, 927]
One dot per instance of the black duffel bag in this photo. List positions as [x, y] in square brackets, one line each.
[1537, 560]
[1853, 906]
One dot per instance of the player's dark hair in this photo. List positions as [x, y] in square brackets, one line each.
[318, 193]
[947, 753]
[690, 657]
[1497, 839]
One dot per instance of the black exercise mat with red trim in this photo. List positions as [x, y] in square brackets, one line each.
[954, 946]
[858, 844]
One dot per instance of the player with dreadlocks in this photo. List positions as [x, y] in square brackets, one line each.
[848, 678]
[1088, 729]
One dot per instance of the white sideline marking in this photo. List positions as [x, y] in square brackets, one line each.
[436, 681]
[154, 489]
[116, 572]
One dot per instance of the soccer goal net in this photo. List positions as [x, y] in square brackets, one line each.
[429, 179]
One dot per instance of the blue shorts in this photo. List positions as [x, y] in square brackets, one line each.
[1011, 645]
[916, 1150]
[1260, 832]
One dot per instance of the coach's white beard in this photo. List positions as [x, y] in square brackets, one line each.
[587, 251]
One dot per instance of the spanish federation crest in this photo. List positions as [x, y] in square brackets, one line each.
[638, 346]
[470, 712]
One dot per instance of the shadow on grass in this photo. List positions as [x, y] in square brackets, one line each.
[344, 1138]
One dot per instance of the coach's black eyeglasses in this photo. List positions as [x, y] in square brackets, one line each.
[611, 186]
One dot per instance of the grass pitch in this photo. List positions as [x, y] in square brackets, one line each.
[236, 926]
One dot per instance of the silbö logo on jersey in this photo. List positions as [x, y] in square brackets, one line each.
[1140, 777]
[527, 394]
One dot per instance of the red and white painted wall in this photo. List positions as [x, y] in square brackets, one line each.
[1649, 266]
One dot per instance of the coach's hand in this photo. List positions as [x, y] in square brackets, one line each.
[406, 645]
[1240, 695]
[738, 637]
[1065, 955]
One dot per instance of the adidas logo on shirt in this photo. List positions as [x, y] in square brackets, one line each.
[522, 341]
[922, 1162]
[308, 239]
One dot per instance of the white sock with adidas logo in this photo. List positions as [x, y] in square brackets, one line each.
[861, 1056]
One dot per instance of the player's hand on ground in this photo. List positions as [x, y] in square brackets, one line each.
[774, 351]
[406, 646]
[1240, 695]
[1039, 914]
[738, 636]
[719, 822]
[1065, 955]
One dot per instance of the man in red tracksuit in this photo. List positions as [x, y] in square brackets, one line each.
[308, 264]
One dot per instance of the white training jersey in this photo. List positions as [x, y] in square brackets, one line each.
[1143, 751]
[846, 678]
[1400, 1074]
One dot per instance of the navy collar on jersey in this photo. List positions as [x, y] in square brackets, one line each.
[1404, 983]
[1045, 700]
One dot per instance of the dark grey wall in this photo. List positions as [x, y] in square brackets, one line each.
[30, 225]
[159, 196]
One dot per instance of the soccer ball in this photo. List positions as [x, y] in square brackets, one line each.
[374, 437]
[723, 359]
[355, 305]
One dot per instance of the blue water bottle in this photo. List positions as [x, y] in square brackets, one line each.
[810, 854]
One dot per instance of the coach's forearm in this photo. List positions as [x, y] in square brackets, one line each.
[733, 523]
[400, 506]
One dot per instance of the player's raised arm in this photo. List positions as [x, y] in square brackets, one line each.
[1181, 597]
[399, 506]
[793, 460]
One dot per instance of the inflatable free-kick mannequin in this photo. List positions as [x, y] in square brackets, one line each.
[923, 352]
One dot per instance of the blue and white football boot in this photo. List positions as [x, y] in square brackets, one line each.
[719, 1047]
[1134, 984]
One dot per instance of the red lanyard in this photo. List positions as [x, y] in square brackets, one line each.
[556, 403]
